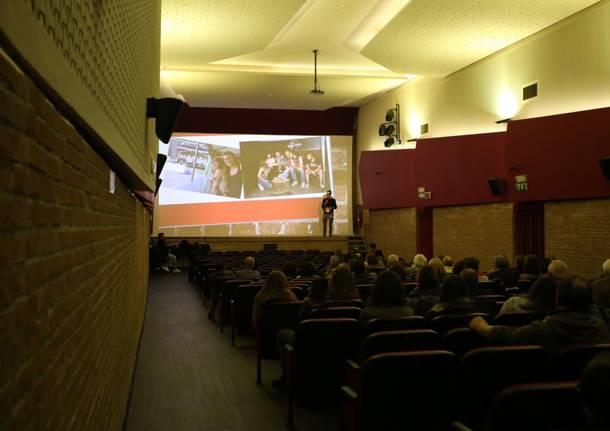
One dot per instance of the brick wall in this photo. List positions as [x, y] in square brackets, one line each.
[73, 272]
[578, 232]
[483, 231]
[393, 231]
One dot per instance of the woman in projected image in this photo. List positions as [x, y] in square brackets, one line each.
[314, 168]
[263, 176]
[218, 177]
[234, 176]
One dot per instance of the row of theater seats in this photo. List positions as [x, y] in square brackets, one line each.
[410, 373]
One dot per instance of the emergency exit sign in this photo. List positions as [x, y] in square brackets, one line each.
[521, 183]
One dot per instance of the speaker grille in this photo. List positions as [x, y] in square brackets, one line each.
[530, 91]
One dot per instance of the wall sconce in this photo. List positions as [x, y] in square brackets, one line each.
[165, 112]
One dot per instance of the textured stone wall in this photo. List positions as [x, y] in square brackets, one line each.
[393, 231]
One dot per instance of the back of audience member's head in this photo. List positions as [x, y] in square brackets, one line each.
[510, 278]
[290, 269]
[357, 266]
[471, 278]
[519, 261]
[398, 269]
[545, 264]
[574, 293]
[531, 265]
[471, 262]
[452, 289]
[333, 262]
[249, 262]
[458, 267]
[388, 290]
[392, 259]
[606, 268]
[448, 261]
[379, 254]
[307, 269]
[501, 262]
[371, 259]
[542, 295]
[557, 268]
[438, 266]
[276, 281]
[419, 260]
[595, 392]
[426, 278]
[318, 293]
[342, 284]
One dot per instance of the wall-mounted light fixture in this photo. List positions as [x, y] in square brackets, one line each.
[391, 127]
[165, 112]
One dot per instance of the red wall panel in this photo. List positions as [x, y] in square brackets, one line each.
[387, 179]
[456, 169]
[559, 154]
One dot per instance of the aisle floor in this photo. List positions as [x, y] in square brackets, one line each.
[188, 377]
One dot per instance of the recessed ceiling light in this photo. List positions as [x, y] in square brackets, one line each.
[341, 6]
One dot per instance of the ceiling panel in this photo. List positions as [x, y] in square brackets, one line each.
[442, 36]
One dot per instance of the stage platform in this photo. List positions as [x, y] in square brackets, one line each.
[281, 242]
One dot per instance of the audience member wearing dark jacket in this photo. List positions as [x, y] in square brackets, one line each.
[453, 299]
[387, 299]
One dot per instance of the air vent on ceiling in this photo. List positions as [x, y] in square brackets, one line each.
[423, 129]
[530, 91]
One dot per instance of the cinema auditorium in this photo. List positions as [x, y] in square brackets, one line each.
[312, 215]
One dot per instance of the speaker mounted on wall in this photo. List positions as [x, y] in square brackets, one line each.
[605, 165]
[497, 186]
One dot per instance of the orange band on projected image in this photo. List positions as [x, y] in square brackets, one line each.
[238, 212]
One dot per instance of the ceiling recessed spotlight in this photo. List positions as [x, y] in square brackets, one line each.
[341, 6]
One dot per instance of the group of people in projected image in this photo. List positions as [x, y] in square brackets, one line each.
[290, 169]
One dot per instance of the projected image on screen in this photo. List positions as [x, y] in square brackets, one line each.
[285, 167]
[253, 185]
[202, 167]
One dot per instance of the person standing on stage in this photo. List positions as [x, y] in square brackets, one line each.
[329, 205]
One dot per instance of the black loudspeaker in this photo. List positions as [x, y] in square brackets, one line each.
[497, 186]
[605, 165]
[166, 112]
[161, 159]
[158, 185]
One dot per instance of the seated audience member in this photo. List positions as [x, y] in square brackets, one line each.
[425, 295]
[248, 273]
[531, 268]
[572, 321]
[387, 299]
[448, 262]
[545, 264]
[595, 392]
[394, 264]
[317, 297]
[342, 284]
[392, 260]
[333, 263]
[519, 262]
[458, 267]
[601, 287]
[275, 289]
[419, 260]
[501, 265]
[453, 299]
[307, 269]
[473, 263]
[167, 260]
[373, 263]
[427, 283]
[471, 278]
[361, 275]
[290, 270]
[438, 266]
[510, 277]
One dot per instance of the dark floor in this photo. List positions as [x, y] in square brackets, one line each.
[188, 377]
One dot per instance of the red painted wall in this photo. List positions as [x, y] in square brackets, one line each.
[334, 121]
[456, 169]
[559, 154]
[387, 179]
